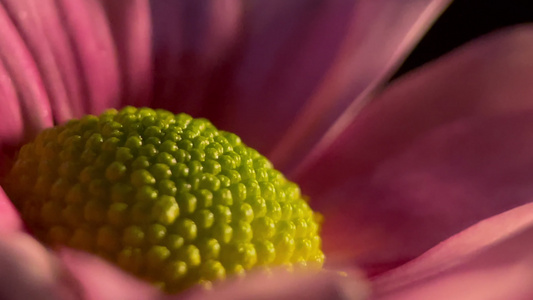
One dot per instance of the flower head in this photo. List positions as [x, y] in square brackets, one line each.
[166, 197]
[439, 156]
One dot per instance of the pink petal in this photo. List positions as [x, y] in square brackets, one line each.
[95, 54]
[489, 261]
[28, 271]
[427, 160]
[25, 107]
[190, 40]
[101, 281]
[489, 75]
[284, 286]
[131, 28]
[10, 219]
[12, 129]
[457, 175]
[300, 64]
[75, 44]
[41, 28]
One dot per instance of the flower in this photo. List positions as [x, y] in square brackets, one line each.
[426, 188]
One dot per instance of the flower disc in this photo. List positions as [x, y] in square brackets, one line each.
[166, 197]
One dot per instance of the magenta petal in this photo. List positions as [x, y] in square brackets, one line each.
[90, 36]
[191, 38]
[300, 64]
[9, 217]
[76, 46]
[489, 261]
[427, 160]
[40, 25]
[25, 107]
[28, 271]
[101, 281]
[283, 285]
[131, 28]
[489, 75]
[444, 182]
[12, 129]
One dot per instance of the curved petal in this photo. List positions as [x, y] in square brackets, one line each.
[10, 219]
[427, 160]
[25, 107]
[12, 129]
[284, 286]
[491, 260]
[488, 75]
[300, 64]
[90, 40]
[39, 25]
[101, 281]
[73, 47]
[28, 271]
[190, 39]
[131, 27]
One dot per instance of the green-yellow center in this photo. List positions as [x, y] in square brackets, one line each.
[168, 198]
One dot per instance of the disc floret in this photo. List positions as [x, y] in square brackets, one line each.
[166, 197]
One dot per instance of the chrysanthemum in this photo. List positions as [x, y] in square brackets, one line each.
[424, 185]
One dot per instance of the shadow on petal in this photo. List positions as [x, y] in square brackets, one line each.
[131, 27]
[303, 63]
[378, 37]
[191, 39]
[265, 67]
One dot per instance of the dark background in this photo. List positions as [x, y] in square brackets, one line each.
[463, 21]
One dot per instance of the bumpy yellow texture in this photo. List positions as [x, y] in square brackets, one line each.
[166, 197]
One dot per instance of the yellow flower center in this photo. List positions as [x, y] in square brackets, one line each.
[166, 197]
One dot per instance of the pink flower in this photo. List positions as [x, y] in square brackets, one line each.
[424, 184]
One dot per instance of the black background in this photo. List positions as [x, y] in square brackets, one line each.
[465, 20]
